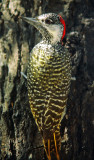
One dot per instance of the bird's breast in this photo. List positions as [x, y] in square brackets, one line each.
[48, 66]
[43, 64]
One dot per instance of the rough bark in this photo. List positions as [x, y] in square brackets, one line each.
[19, 136]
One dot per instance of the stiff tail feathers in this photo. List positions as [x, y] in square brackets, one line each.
[52, 145]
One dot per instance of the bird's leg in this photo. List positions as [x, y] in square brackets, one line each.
[57, 155]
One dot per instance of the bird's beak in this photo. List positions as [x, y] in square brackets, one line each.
[32, 21]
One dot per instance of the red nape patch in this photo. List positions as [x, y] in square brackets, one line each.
[63, 22]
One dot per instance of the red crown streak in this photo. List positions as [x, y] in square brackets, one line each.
[63, 22]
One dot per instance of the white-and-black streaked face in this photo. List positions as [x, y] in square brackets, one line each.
[53, 25]
[50, 25]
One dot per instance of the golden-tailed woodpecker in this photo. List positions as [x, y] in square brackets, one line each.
[48, 77]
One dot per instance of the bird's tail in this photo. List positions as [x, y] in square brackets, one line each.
[52, 144]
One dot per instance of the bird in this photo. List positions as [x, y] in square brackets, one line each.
[48, 79]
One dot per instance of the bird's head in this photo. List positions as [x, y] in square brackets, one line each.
[50, 25]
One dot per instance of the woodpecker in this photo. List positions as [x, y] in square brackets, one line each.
[48, 78]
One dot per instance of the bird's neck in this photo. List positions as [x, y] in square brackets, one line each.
[52, 41]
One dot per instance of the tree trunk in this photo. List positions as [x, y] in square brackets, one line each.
[19, 136]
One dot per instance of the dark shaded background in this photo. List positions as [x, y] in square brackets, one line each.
[19, 136]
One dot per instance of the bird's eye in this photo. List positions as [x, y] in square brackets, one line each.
[42, 20]
[48, 21]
